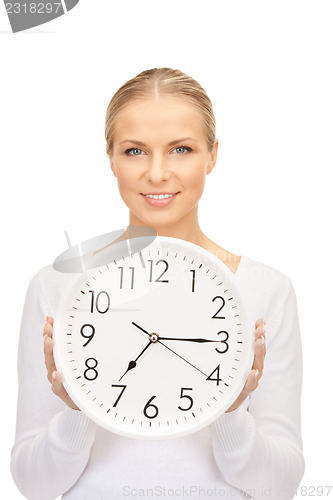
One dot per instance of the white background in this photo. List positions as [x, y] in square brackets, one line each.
[267, 67]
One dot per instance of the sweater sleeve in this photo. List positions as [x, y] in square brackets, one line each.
[53, 442]
[259, 449]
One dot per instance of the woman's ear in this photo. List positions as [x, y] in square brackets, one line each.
[112, 166]
[213, 157]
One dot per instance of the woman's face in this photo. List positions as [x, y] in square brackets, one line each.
[160, 159]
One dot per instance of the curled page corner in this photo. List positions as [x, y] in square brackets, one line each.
[23, 14]
[103, 249]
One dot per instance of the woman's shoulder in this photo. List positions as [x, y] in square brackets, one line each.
[247, 268]
[51, 284]
[263, 287]
[253, 269]
[263, 284]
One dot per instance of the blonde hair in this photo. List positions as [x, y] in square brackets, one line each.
[160, 81]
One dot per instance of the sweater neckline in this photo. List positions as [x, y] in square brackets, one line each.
[241, 263]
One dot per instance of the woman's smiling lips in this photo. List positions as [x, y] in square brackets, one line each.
[159, 199]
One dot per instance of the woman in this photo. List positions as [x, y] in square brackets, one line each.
[160, 134]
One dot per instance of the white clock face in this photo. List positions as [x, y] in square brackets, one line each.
[156, 344]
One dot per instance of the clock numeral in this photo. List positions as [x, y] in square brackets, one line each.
[97, 304]
[216, 379]
[121, 393]
[91, 373]
[223, 304]
[122, 277]
[193, 278]
[183, 396]
[158, 280]
[86, 335]
[223, 342]
[150, 406]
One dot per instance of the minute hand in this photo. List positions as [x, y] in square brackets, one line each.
[189, 340]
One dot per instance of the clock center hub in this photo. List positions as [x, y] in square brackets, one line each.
[153, 337]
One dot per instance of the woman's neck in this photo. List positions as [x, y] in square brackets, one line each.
[186, 229]
[192, 234]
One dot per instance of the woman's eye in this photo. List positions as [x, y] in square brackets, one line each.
[134, 151]
[182, 149]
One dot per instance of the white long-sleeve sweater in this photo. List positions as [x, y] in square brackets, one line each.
[254, 451]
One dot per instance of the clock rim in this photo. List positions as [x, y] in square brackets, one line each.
[173, 433]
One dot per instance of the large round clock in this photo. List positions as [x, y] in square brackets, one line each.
[156, 344]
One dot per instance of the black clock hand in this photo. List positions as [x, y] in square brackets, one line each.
[157, 339]
[190, 340]
[177, 338]
[132, 364]
[140, 328]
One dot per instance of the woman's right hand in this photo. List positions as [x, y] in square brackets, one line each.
[54, 377]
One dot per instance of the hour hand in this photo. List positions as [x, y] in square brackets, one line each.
[132, 364]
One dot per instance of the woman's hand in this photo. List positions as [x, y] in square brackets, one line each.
[53, 376]
[258, 364]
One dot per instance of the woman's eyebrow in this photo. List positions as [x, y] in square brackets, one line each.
[182, 140]
[133, 141]
[172, 143]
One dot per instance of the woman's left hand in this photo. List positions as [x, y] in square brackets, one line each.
[258, 364]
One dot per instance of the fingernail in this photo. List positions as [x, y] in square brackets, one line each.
[44, 338]
[256, 373]
[54, 375]
[262, 340]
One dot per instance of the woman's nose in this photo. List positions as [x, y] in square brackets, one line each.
[158, 170]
